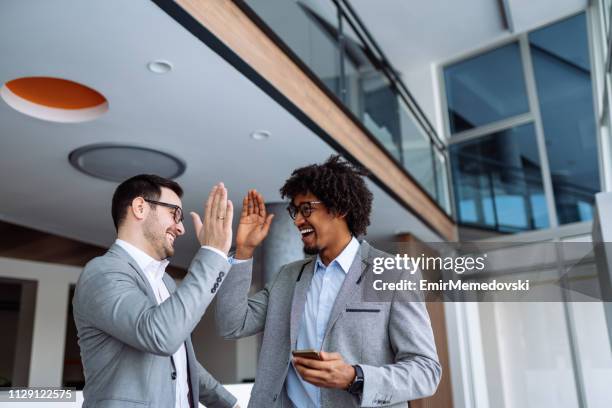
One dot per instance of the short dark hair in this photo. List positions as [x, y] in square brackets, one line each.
[339, 185]
[147, 186]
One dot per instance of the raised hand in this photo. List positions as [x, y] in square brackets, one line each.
[254, 225]
[216, 229]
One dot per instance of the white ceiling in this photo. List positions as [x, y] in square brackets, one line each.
[202, 112]
[417, 34]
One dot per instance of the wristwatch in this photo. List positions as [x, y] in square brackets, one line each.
[356, 387]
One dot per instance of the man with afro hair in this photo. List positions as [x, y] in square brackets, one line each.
[353, 353]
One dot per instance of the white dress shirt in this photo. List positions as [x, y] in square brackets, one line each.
[154, 271]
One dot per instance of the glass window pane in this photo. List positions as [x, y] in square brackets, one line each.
[560, 55]
[369, 94]
[485, 89]
[498, 181]
[310, 32]
[417, 152]
[381, 111]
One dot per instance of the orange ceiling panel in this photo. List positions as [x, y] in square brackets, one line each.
[55, 92]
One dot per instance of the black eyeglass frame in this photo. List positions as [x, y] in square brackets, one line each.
[304, 208]
[176, 209]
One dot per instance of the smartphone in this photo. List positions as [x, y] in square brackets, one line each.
[307, 353]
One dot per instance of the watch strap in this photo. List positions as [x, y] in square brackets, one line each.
[356, 387]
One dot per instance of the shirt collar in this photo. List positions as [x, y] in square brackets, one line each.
[345, 258]
[153, 268]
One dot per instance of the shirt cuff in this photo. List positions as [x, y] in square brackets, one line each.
[218, 251]
[234, 261]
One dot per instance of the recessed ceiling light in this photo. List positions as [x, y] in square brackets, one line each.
[159, 67]
[261, 135]
[115, 162]
[54, 99]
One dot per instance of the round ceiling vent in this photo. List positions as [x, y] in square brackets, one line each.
[115, 162]
[54, 99]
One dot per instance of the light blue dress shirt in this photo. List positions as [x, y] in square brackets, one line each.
[324, 287]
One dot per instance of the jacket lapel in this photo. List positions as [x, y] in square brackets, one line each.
[350, 287]
[117, 250]
[299, 298]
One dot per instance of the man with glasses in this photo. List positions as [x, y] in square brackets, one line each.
[134, 325]
[355, 353]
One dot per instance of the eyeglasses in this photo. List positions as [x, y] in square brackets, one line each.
[304, 208]
[177, 211]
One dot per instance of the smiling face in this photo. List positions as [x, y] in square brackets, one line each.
[159, 228]
[322, 232]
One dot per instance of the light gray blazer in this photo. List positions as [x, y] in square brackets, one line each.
[127, 339]
[392, 341]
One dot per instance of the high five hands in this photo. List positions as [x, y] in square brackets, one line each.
[254, 225]
[216, 228]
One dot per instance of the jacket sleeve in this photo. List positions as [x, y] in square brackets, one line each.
[416, 371]
[212, 393]
[238, 315]
[111, 300]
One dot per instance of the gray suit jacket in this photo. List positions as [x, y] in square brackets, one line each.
[392, 341]
[127, 339]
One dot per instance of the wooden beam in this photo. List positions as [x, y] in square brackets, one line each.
[230, 25]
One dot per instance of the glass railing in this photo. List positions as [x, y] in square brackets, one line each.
[495, 195]
[332, 42]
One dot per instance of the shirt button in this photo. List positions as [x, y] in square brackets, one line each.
[275, 396]
[219, 280]
[213, 290]
[221, 274]
[216, 285]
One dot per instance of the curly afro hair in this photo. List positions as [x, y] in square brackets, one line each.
[339, 185]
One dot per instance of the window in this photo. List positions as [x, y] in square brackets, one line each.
[498, 124]
[498, 181]
[485, 89]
